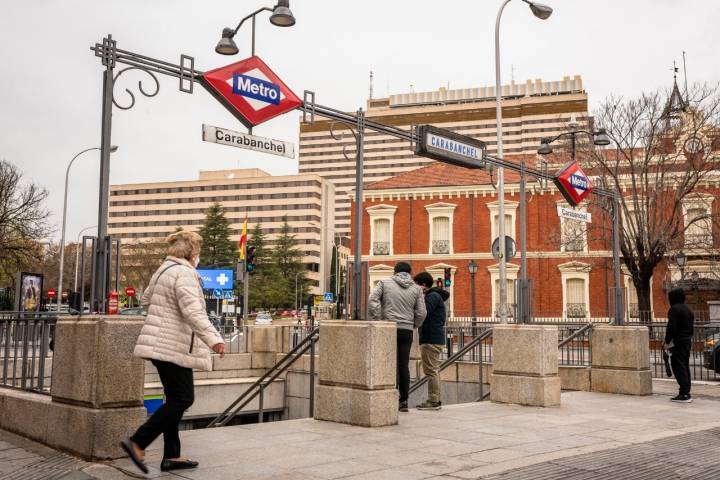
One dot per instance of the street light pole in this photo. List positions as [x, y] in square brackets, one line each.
[64, 223]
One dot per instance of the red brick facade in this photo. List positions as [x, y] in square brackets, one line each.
[468, 194]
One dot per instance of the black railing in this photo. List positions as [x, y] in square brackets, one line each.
[574, 345]
[460, 355]
[705, 338]
[257, 389]
[25, 350]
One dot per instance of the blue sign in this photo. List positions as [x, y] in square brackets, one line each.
[256, 88]
[217, 293]
[212, 279]
[579, 182]
[328, 297]
[228, 295]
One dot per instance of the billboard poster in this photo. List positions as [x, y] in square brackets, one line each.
[30, 294]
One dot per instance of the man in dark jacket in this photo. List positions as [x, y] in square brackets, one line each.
[432, 338]
[678, 342]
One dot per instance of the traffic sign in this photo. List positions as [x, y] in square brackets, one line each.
[52, 293]
[328, 296]
[249, 142]
[450, 147]
[572, 214]
[217, 293]
[228, 294]
[130, 291]
[250, 91]
[510, 250]
[216, 278]
[573, 183]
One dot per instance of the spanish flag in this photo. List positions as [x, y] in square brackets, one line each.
[242, 244]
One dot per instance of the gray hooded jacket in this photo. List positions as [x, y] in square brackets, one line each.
[398, 299]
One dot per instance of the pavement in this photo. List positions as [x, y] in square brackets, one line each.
[591, 436]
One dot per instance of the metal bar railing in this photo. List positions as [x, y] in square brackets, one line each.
[25, 345]
[455, 358]
[575, 347]
[258, 387]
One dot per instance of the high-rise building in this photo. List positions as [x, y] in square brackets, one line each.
[151, 211]
[531, 110]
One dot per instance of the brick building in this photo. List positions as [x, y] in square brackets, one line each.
[441, 216]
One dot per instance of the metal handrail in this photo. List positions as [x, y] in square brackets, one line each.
[454, 358]
[258, 387]
[577, 333]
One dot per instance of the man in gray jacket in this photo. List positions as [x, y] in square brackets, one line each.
[399, 299]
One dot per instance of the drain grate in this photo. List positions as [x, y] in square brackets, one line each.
[688, 456]
[50, 468]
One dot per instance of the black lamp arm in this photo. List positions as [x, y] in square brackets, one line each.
[249, 17]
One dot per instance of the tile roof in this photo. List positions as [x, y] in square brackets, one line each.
[439, 174]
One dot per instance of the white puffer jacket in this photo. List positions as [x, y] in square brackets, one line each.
[176, 318]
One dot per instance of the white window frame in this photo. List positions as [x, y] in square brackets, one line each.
[510, 209]
[697, 201]
[379, 272]
[438, 271]
[440, 210]
[575, 270]
[385, 212]
[563, 221]
[511, 273]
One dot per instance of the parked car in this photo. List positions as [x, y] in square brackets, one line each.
[133, 311]
[711, 346]
[263, 318]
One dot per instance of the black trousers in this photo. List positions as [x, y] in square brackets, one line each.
[680, 362]
[404, 344]
[177, 383]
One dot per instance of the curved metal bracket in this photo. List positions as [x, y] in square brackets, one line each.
[341, 137]
[140, 87]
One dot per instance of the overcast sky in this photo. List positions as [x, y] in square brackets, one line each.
[50, 87]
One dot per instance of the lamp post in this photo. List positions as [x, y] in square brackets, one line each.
[113, 148]
[296, 293]
[473, 268]
[281, 17]
[542, 12]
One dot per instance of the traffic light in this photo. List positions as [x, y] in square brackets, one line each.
[250, 259]
[448, 277]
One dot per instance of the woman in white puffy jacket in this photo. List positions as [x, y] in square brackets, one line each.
[174, 338]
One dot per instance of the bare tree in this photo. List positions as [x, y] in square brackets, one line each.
[139, 262]
[664, 157]
[23, 221]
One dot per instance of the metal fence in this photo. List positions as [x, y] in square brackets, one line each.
[705, 337]
[26, 342]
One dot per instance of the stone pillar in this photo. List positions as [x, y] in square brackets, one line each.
[97, 385]
[265, 341]
[357, 373]
[621, 360]
[525, 365]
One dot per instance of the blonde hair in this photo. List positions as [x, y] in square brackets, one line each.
[184, 244]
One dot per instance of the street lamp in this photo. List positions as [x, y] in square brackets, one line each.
[472, 268]
[113, 148]
[599, 136]
[542, 12]
[281, 17]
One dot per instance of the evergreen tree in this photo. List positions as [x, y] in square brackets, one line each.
[217, 250]
[288, 261]
[264, 278]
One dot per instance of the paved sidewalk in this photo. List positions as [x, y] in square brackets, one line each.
[468, 441]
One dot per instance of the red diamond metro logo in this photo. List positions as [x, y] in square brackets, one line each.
[250, 91]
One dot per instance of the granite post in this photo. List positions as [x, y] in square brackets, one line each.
[525, 368]
[97, 385]
[357, 373]
[621, 360]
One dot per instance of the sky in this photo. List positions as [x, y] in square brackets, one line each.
[51, 83]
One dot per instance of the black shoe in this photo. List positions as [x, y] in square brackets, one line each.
[128, 447]
[403, 407]
[168, 465]
[682, 399]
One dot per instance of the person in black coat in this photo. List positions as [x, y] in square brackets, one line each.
[432, 337]
[678, 342]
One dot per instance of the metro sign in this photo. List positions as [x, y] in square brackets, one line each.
[250, 91]
[573, 183]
